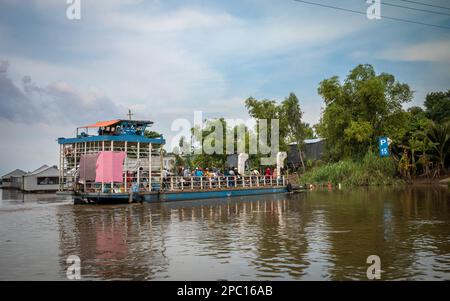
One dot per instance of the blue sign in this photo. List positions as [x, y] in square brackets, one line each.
[384, 146]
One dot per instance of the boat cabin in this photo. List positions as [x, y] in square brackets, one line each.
[116, 158]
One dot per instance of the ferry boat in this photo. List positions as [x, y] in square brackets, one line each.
[118, 164]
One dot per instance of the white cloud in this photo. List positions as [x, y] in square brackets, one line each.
[434, 51]
[280, 36]
[180, 20]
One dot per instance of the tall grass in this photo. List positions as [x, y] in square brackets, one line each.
[371, 170]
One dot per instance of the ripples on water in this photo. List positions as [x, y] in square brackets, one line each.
[314, 236]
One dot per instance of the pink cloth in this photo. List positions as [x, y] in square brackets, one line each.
[109, 167]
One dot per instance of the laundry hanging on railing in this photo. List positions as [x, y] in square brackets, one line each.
[87, 168]
[109, 167]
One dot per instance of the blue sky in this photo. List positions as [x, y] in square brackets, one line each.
[165, 59]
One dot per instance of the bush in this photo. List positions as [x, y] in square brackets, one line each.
[371, 170]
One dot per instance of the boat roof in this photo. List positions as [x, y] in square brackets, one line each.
[99, 124]
[123, 138]
[111, 137]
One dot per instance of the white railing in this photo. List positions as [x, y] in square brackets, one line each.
[178, 183]
[175, 183]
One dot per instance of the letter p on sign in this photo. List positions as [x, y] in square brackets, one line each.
[383, 143]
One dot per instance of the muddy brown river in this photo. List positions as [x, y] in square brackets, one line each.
[319, 235]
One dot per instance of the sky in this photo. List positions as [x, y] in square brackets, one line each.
[165, 59]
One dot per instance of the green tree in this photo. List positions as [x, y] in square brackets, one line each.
[207, 137]
[289, 114]
[297, 131]
[309, 131]
[359, 134]
[437, 106]
[268, 110]
[416, 111]
[364, 99]
[151, 134]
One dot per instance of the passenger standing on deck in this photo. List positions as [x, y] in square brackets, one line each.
[268, 174]
[236, 172]
[231, 176]
[255, 172]
[231, 171]
[165, 174]
[213, 176]
[186, 173]
[255, 175]
[198, 173]
[275, 175]
[238, 176]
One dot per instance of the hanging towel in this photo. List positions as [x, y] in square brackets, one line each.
[87, 168]
[110, 167]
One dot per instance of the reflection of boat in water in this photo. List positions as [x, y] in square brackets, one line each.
[121, 164]
[148, 241]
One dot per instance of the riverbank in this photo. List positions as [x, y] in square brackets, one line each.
[366, 173]
[369, 171]
[444, 180]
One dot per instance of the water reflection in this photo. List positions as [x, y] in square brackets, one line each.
[318, 235]
[113, 243]
[16, 197]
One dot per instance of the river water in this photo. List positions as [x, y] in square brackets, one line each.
[319, 235]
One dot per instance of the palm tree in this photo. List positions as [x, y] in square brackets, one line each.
[439, 136]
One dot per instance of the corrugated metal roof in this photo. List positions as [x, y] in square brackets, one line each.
[16, 172]
[39, 170]
[309, 141]
[101, 124]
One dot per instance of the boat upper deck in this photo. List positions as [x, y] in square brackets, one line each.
[114, 130]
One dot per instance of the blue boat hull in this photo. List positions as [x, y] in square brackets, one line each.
[192, 195]
[169, 196]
